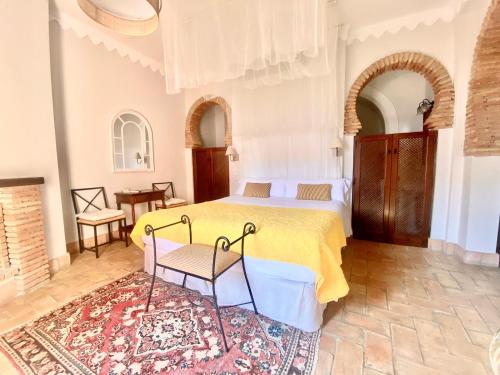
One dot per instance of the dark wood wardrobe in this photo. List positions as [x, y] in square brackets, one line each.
[210, 174]
[393, 187]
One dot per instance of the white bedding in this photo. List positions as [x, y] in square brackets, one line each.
[337, 206]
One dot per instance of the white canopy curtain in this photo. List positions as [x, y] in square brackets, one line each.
[260, 41]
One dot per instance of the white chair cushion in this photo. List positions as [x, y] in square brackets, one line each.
[98, 215]
[171, 201]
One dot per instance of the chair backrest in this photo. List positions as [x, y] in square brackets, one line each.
[167, 186]
[94, 197]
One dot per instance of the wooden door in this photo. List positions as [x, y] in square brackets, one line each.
[202, 174]
[372, 178]
[220, 173]
[412, 187]
[393, 187]
[210, 174]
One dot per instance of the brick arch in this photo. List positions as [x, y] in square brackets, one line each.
[193, 137]
[437, 75]
[482, 124]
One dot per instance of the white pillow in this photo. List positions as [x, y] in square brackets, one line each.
[340, 190]
[277, 186]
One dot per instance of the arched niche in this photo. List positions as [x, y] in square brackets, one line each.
[385, 106]
[437, 75]
[193, 137]
[482, 126]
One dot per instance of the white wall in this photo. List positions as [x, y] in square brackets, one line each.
[27, 141]
[90, 86]
[475, 181]
[437, 41]
[405, 90]
[466, 204]
[212, 126]
[278, 131]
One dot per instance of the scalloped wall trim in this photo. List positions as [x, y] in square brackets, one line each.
[410, 22]
[97, 37]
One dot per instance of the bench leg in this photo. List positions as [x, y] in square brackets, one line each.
[80, 244]
[110, 234]
[184, 281]
[218, 316]
[248, 285]
[125, 231]
[151, 289]
[120, 229]
[96, 246]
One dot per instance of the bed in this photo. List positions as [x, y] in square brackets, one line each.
[285, 289]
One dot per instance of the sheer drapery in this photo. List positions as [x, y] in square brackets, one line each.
[260, 41]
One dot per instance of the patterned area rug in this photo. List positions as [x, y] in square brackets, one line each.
[108, 332]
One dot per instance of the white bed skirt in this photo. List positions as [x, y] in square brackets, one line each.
[282, 291]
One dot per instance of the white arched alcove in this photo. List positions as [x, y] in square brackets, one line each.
[386, 107]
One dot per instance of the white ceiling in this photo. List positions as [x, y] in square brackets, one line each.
[355, 13]
[362, 13]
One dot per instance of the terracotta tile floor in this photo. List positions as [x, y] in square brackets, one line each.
[409, 311]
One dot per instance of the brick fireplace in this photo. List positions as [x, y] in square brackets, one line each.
[24, 264]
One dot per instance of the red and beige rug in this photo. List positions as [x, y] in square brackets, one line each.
[108, 332]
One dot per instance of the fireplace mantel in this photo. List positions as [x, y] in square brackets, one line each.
[25, 181]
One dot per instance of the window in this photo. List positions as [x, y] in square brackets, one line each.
[132, 143]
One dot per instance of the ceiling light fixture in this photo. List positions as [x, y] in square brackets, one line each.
[129, 17]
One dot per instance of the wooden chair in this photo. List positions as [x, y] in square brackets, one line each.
[203, 262]
[170, 200]
[97, 217]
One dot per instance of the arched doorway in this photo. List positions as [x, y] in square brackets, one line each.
[432, 70]
[394, 170]
[208, 133]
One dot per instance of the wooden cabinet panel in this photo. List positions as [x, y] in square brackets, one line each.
[220, 171]
[393, 187]
[412, 187]
[210, 174]
[371, 187]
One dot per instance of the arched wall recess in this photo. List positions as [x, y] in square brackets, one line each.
[192, 134]
[482, 126]
[437, 75]
[386, 107]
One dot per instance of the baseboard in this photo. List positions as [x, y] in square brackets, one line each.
[9, 290]
[59, 263]
[466, 256]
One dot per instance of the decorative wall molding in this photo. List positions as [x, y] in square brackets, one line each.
[82, 30]
[482, 126]
[409, 22]
[193, 137]
[432, 70]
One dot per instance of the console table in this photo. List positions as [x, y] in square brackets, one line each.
[142, 196]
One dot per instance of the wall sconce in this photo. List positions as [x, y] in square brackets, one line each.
[138, 158]
[231, 152]
[424, 106]
[337, 144]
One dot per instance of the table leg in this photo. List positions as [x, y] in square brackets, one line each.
[149, 206]
[133, 213]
